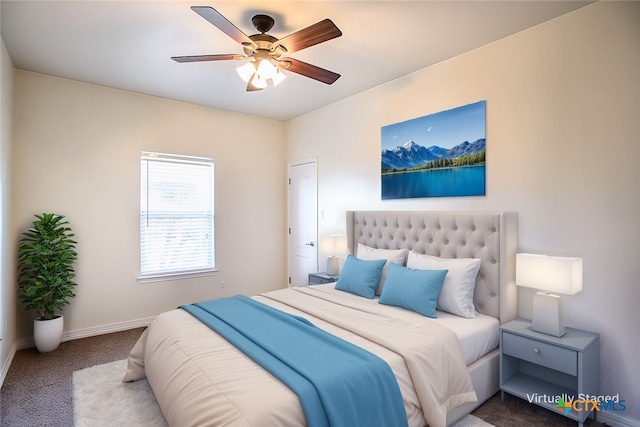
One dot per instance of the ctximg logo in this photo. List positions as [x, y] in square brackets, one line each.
[583, 402]
[563, 406]
[586, 402]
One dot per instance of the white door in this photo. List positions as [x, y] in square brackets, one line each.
[302, 200]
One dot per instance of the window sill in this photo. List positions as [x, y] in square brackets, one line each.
[177, 276]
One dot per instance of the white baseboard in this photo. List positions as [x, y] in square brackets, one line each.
[91, 332]
[616, 419]
[107, 329]
[5, 368]
[27, 342]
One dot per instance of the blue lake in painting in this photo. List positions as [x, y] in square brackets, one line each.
[457, 181]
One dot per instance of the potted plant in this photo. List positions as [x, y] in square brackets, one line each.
[46, 254]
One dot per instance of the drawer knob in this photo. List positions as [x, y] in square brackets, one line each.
[535, 350]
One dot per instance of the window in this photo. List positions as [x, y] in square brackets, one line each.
[176, 216]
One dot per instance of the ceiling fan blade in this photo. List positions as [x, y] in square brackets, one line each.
[223, 24]
[311, 71]
[312, 35]
[201, 58]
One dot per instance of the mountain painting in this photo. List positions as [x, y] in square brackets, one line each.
[439, 155]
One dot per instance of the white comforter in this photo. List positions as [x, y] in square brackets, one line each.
[199, 379]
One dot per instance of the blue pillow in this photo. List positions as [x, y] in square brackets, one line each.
[413, 289]
[360, 277]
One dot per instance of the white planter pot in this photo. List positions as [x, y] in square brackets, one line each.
[48, 333]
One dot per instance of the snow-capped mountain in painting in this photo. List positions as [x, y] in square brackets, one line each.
[410, 154]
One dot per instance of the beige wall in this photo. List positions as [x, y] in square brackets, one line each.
[563, 102]
[7, 249]
[77, 153]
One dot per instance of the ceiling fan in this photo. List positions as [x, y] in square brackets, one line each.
[266, 52]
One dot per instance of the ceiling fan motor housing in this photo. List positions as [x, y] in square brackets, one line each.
[263, 23]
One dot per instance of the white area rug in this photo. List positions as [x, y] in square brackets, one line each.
[472, 421]
[100, 399]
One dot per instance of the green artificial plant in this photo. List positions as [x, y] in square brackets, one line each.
[46, 254]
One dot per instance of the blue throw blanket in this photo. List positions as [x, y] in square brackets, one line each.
[338, 383]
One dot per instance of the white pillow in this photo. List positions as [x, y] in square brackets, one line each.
[456, 296]
[396, 256]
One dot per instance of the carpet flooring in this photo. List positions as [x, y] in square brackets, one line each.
[38, 389]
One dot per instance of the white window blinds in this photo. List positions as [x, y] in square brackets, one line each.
[176, 215]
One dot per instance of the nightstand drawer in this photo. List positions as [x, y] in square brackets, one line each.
[553, 357]
[321, 278]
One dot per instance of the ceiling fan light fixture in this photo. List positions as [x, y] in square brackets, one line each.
[258, 75]
[266, 69]
[278, 77]
[258, 81]
[246, 71]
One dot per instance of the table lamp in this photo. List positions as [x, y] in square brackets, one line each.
[562, 275]
[334, 245]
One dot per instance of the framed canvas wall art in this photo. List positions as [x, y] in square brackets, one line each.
[438, 155]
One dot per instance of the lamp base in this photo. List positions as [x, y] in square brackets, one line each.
[333, 265]
[547, 314]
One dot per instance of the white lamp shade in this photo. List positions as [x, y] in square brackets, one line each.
[561, 275]
[266, 69]
[246, 71]
[333, 244]
[278, 77]
[258, 81]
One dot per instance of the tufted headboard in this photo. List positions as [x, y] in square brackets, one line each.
[490, 236]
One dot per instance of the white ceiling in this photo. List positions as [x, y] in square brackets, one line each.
[128, 44]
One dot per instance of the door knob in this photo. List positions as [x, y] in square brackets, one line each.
[310, 244]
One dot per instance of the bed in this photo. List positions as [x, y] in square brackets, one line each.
[199, 378]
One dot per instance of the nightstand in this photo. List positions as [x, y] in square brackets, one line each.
[321, 278]
[542, 369]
